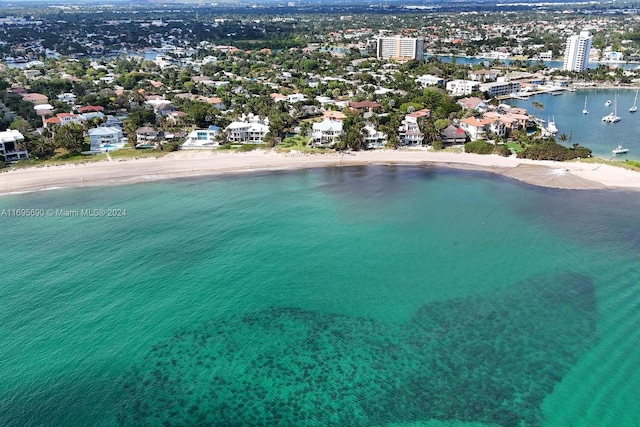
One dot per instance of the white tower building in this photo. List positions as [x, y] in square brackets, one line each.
[402, 48]
[576, 54]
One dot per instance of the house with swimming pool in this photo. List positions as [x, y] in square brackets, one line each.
[106, 139]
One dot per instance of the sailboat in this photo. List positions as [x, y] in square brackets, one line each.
[634, 107]
[584, 110]
[612, 117]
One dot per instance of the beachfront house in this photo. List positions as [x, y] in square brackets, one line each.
[246, 133]
[373, 138]
[106, 138]
[453, 135]
[326, 133]
[409, 130]
[147, 136]
[9, 150]
[476, 128]
[199, 139]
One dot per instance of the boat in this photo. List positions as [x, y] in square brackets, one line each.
[551, 127]
[619, 150]
[634, 107]
[606, 104]
[584, 110]
[612, 117]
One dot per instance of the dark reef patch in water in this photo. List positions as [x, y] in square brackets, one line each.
[489, 359]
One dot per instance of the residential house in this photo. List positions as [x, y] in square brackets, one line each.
[90, 109]
[409, 129]
[176, 117]
[429, 80]
[217, 103]
[512, 119]
[326, 133]
[35, 98]
[473, 103]
[147, 136]
[9, 150]
[362, 106]
[64, 119]
[31, 74]
[373, 138]
[201, 139]
[453, 135]
[67, 98]
[112, 121]
[333, 115]
[93, 115]
[246, 132]
[292, 98]
[106, 138]
[310, 110]
[165, 108]
[476, 128]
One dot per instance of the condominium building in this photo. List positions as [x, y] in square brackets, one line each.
[400, 48]
[576, 54]
[462, 87]
[500, 88]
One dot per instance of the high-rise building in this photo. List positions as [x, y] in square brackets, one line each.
[400, 48]
[576, 54]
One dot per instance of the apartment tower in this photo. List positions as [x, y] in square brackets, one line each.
[400, 48]
[576, 55]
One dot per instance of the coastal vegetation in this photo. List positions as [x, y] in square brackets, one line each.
[550, 150]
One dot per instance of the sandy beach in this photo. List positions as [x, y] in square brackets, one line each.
[573, 175]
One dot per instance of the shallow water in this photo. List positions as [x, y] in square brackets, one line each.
[378, 295]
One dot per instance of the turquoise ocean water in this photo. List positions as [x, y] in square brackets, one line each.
[356, 296]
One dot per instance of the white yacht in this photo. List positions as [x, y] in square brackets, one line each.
[634, 107]
[584, 110]
[551, 127]
[619, 150]
[606, 104]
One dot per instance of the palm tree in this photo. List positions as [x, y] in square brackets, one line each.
[538, 106]
[222, 135]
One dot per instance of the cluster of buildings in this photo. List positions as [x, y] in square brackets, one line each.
[252, 129]
[576, 55]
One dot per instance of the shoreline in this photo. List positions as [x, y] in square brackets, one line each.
[186, 164]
